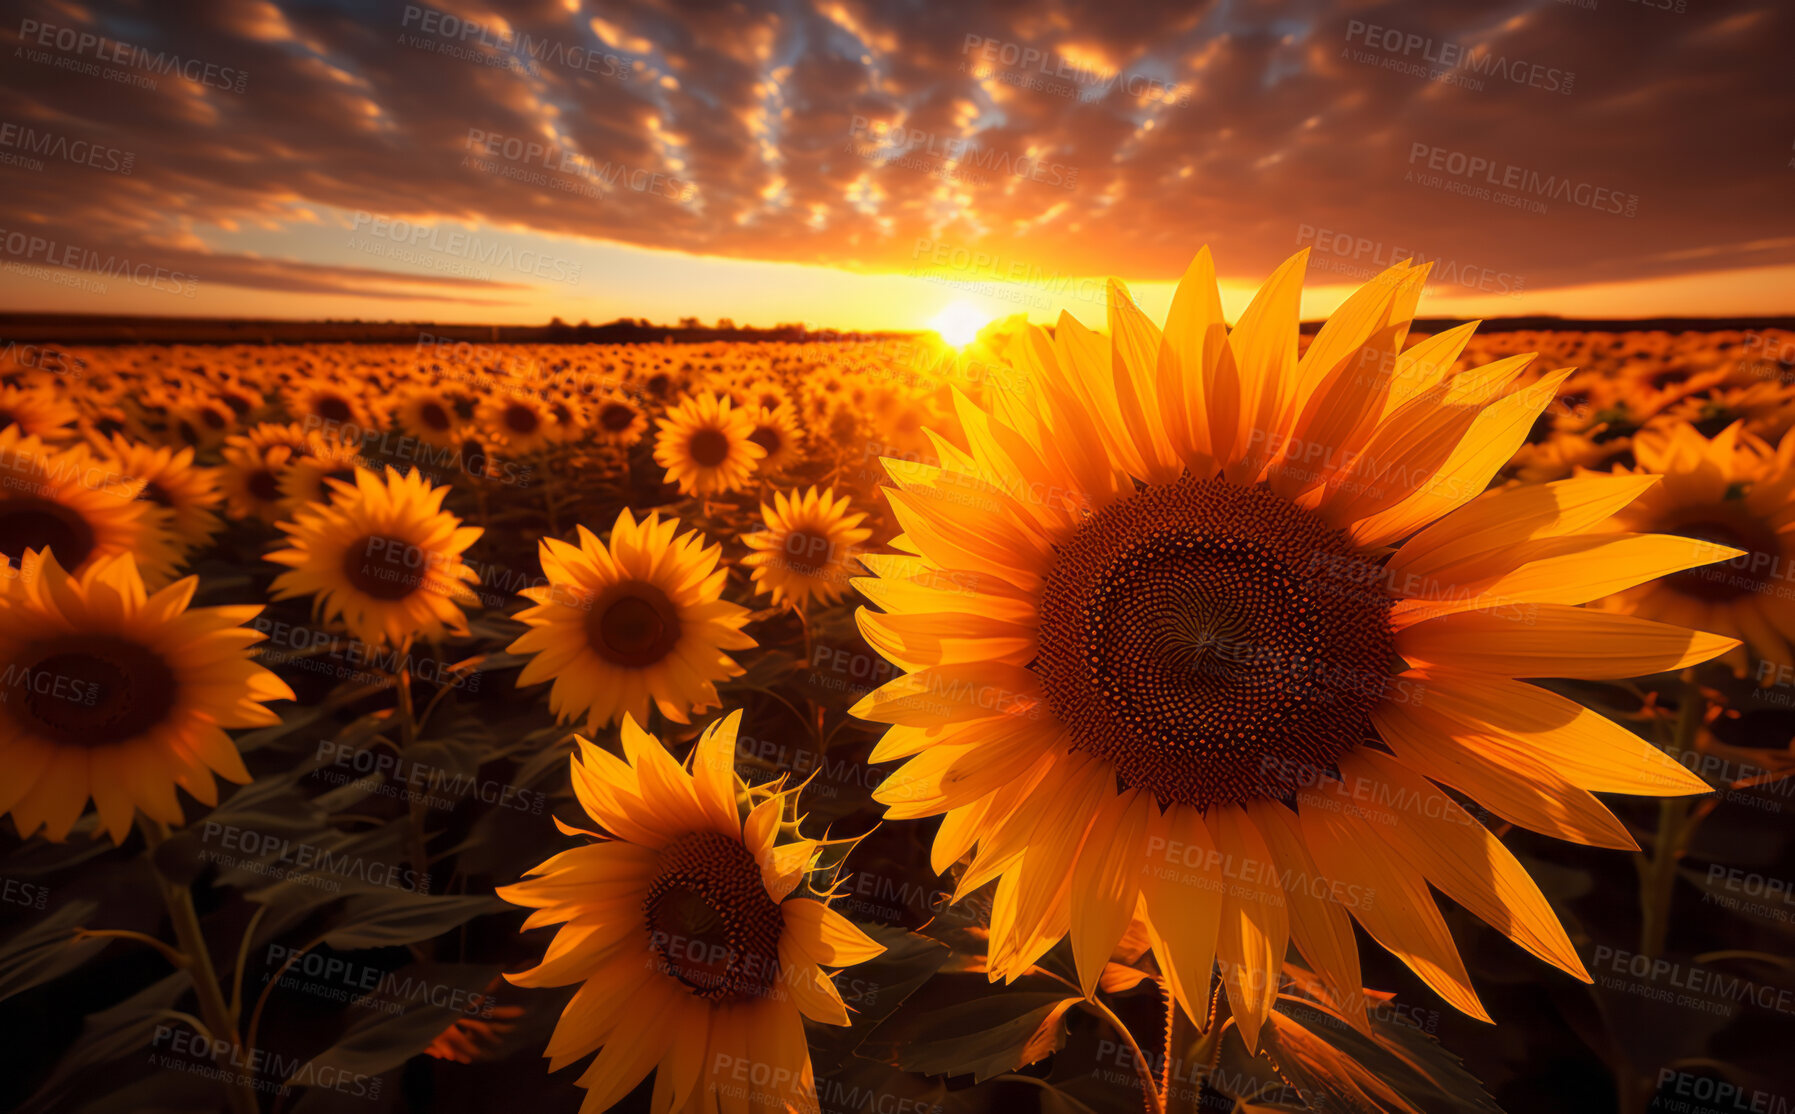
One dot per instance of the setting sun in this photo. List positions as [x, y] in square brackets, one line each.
[958, 324]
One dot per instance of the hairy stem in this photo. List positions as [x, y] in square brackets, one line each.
[198, 962]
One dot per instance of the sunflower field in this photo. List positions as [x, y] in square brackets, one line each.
[1076, 721]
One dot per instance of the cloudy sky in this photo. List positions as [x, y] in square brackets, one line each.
[870, 163]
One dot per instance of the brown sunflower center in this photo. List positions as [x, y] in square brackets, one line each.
[33, 523]
[633, 625]
[264, 485]
[522, 420]
[616, 417]
[333, 409]
[1214, 643]
[767, 438]
[384, 567]
[92, 690]
[1747, 575]
[433, 415]
[709, 447]
[806, 552]
[711, 920]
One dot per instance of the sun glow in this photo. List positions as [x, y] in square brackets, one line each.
[958, 324]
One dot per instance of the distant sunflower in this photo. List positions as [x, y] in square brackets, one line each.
[698, 946]
[254, 463]
[37, 412]
[251, 482]
[384, 559]
[186, 497]
[119, 695]
[567, 420]
[703, 444]
[428, 414]
[79, 507]
[808, 550]
[1157, 639]
[473, 451]
[244, 400]
[200, 421]
[776, 432]
[523, 422]
[1766, 406]
[1564, 452]
[320, 404]
[1735, 491]
[767, 394]
[327, 466]
[618, 419]
[642, 620]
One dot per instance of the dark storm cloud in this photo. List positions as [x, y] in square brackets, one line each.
[1562, 142]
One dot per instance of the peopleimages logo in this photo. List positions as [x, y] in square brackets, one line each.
[895, 141]
[1424, 56]
[70, 41]
[38, 249]
[1522, 183]
[608, 176]
[465, 246]
[23, 137]
[518, 49]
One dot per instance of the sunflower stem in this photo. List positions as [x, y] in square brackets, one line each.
[1149, 1086]
[816, 713]
[552, 502]
[197, 961]
[173, 955]
[408, 737]
[1190, 1053]
[1659, 882]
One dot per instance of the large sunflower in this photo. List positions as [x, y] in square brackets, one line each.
[642, 620]
[118, 695]
[698, 947]
[78, 506]
[1160, 648]
[1734, 490]
[185, 497]
[808, 549]
[383, 559]
[704, 444]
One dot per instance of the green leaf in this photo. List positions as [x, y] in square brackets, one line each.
[403, 1014]
[386, 917]
[48, 948]
[961, 1025]
[1398, 1068]
[110, 1035]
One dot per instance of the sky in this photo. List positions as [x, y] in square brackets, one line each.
[886, 164]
